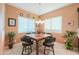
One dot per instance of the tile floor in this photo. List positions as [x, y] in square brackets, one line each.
[59, 50]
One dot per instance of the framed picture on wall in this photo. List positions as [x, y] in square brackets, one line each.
[11, 22]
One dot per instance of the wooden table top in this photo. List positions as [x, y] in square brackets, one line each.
[38, 36]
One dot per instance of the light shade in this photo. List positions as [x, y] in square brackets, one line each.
[39, 22]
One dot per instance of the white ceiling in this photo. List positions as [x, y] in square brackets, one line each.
[39, 8]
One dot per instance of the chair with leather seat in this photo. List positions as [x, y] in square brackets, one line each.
[27, 44]
[49, 42]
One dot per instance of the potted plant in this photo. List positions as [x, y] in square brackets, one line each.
[11, 36]
[69, 37]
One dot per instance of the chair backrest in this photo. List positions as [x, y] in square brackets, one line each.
[26, 39]
[50, 39]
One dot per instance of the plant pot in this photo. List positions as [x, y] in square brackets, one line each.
[10, 46]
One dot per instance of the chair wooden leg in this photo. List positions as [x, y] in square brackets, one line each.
[25, 48]
[28, 50]
[44, 49]
[53, 50]
[31, 48]
[22, 50]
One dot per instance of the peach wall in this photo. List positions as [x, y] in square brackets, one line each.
[12, 12]
[67, 13]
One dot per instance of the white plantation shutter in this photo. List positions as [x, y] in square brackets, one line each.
[25, 25]
[53, 24]
[57, 24]
[47, 25]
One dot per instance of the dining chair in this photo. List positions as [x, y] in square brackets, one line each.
[27, 44]
[49, 42]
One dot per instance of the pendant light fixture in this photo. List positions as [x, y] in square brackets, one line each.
[39, 10]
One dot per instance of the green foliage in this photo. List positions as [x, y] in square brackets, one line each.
[69, 36]
[11, 36]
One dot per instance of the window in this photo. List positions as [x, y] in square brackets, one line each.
[53, 24]
[25, 25]
[57, 24]
[47, 25]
